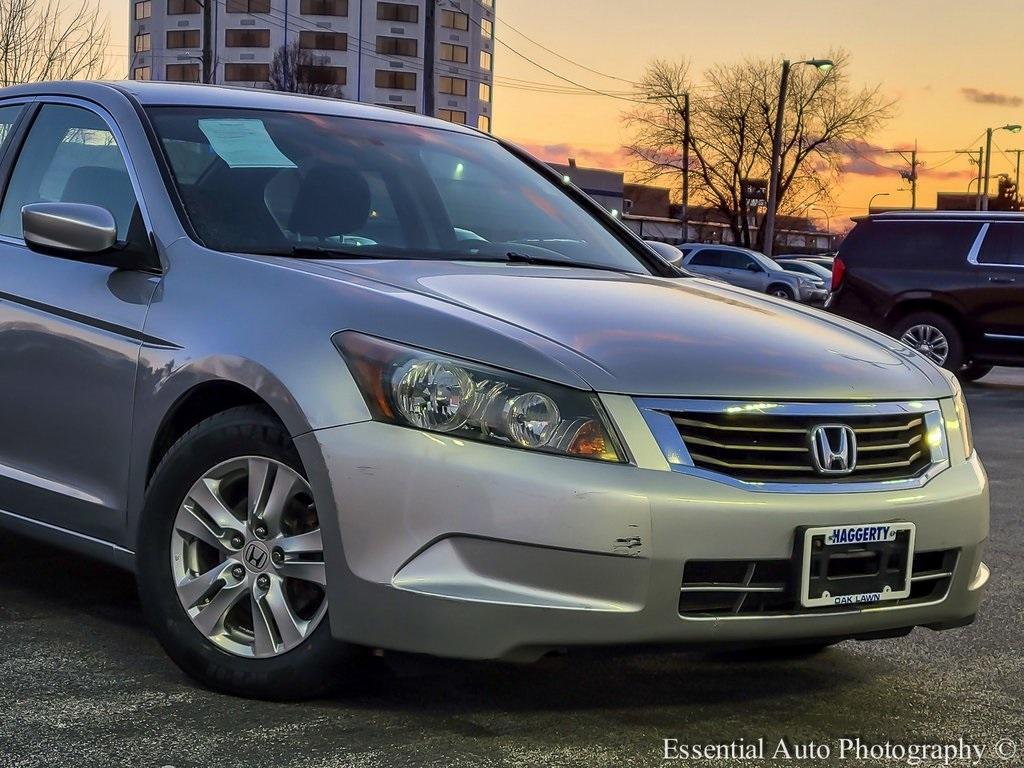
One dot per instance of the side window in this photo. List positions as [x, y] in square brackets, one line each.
[8, 116]
[69, 156]
[910, 244]
[1004, 244]
[706, 257]
[735, 260]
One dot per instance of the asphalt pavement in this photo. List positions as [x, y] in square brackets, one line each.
[83, 682]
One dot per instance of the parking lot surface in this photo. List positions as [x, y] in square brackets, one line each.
[85, 683]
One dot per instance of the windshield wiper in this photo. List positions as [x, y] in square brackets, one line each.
[323, 252]
[515, 257]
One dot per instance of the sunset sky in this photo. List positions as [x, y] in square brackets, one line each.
[954, 67]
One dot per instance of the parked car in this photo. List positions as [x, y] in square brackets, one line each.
[250, 353]
[825, 261]
[750, 269]
[820, 275]
[948, 284]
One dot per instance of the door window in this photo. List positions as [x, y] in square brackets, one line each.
[70, 156]
[736, 260]
[1004, 244]
[707, 257]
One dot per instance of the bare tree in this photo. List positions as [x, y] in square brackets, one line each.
[731, 131]
[294, 70]
[51, 40]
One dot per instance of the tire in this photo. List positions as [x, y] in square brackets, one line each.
[781, 291]
[307, 662]
[934, 336]
[974, 371]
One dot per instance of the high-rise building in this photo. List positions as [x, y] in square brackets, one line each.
[378, 52]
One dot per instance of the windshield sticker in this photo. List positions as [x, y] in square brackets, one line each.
[244, 143]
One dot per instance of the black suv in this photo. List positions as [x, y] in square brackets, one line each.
[948, 283]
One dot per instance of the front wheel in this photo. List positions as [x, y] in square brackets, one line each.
[781, 292]
[934, 336]
[231, 563]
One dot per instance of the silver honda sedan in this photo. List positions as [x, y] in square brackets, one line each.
[329, 378]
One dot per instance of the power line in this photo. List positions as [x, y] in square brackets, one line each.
[522, 34]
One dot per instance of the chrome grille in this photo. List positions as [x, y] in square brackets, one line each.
[765, 448]
[769, 446]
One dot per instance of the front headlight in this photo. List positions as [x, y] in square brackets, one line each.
[964, 418]
[415, 388]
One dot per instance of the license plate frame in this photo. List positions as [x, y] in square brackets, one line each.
[891, 542]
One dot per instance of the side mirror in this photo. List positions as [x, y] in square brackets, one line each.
[69, 229]
[752, 267]
[668, 253]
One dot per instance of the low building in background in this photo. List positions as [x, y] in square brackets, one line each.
[377, 52]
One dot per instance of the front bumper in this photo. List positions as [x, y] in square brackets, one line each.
[453, 548]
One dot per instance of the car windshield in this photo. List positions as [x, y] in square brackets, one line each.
[315, 185]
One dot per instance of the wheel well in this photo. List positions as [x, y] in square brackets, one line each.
[779, 285]
[910, 306]
[199, 403]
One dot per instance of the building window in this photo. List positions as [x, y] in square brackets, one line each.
[247, 38]
[485, 92]
[324, 8]
[323, 41]
[403, 107]
[455, 20]
[483, 122]
[143, 10]
[142, 73]
[246, 73]
[247, 6]
[183, 73]
[181, 7]
[397, 46]
[456, 86]
[403, 81]
[322, 74]
[398, 12]
[452, 116]
[487, 27]
[485, 60]
[142, 43]
[183, 38]
[457, 53]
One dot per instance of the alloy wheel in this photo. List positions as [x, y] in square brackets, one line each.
[928, 340]
[247, 557]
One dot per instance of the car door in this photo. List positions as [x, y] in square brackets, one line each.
[70, 330]
[999, 307]
[742, 270]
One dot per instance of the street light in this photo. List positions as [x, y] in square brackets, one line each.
[823, 66]
[684, 113]
[877, 194]
[1012, 128]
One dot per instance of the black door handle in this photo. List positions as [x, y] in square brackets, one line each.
[1002, 280]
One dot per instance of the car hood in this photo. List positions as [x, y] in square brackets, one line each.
[643, 335]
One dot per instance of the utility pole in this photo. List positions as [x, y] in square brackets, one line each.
[430, 13]
[981, 151]
[208, 40]
[910, 175]
[773, 177]
[684, 213]
[988, 168]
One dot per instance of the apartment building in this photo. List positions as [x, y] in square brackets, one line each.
[376, 52]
